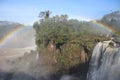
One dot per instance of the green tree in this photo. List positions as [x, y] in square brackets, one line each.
[36, 26]
[44, 14]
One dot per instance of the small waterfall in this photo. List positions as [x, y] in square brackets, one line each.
[105, 62]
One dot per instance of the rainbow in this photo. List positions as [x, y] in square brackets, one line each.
[10, 35]
[104, 26]
[14, 32]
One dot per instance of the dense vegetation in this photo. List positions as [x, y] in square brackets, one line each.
[66, 43]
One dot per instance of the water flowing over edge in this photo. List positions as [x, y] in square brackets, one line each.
[105, 62]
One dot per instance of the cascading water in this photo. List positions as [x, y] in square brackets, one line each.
[105, 62]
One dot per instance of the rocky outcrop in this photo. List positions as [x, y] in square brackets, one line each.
[112, 19]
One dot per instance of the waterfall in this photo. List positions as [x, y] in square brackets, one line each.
[105, 62]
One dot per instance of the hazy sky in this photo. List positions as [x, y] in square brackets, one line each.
[26, 11]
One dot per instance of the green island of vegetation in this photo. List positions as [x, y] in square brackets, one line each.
[66, 44]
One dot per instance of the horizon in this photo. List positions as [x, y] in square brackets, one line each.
[26, 11]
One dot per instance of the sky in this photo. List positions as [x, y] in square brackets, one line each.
[26, 11]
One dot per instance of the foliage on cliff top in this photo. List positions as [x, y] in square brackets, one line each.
[73, 40]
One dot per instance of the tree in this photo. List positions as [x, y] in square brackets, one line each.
[36, 26]
[44, 14]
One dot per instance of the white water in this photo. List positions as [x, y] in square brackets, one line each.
[105, 62]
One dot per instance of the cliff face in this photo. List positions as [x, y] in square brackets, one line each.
[112, 19]
[73, 58]
[6, 27]
[22, 36]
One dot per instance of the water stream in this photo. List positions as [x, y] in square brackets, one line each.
[105, 62]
